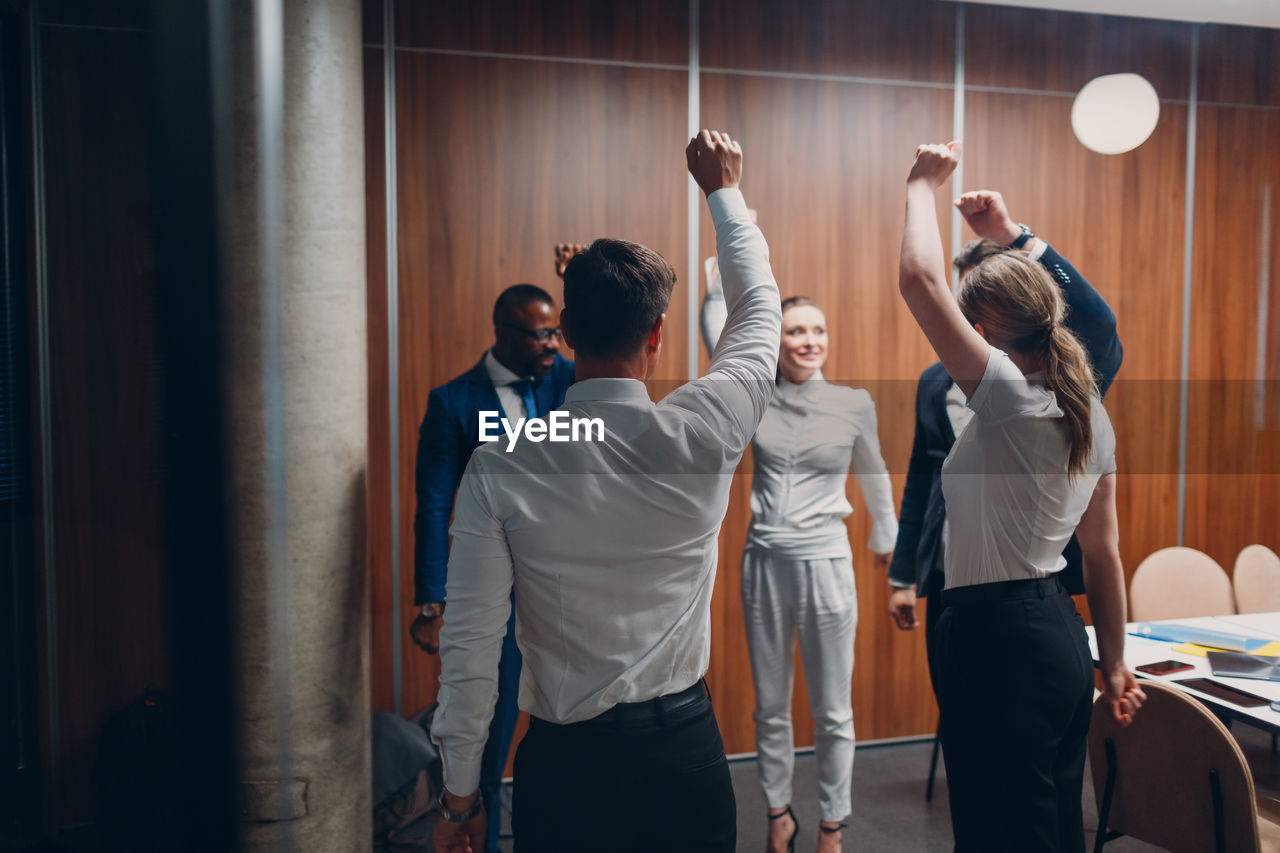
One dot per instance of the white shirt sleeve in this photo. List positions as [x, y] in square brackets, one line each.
[714, 312]
[479, 596]
[873, 479]
[1004, 393]
[732, 398]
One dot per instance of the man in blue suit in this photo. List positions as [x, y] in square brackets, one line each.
[522, 376]
[941, 415]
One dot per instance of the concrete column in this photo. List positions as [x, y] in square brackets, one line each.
[299, 506]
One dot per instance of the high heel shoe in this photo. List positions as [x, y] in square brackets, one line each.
[832, 830]
[791, 842]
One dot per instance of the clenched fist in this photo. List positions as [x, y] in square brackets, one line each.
[987, 215]
[935, 163]
[565, 253]
[715, 161]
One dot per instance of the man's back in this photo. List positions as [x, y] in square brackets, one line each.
[613, 545]
[610, 540]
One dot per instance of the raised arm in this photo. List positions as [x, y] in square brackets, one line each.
[745, 359]
[1088, 314]
[1098, 534]
[714, 312]
[922, 272]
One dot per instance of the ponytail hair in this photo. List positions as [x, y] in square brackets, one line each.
[1021, 307]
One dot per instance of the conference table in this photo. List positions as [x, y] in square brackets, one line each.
[1141, 650]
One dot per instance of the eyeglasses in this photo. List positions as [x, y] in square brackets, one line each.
[540, 335]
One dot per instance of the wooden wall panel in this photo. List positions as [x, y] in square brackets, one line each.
[655, 31]
[1233, 436]
[108, 515]
[905, 40]
[381, 676]
[499, 160]
[1238, 65]
[825, 165]
[1119, 219]
[1061, 51]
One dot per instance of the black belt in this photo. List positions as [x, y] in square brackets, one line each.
[991, 593]
[662, 711]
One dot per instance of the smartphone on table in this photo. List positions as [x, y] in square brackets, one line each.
[1164, 667]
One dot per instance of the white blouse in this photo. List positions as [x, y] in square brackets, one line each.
[810, 436]
[1011, 507]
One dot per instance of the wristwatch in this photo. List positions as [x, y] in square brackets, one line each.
[433, 610]
[456, 817]
[1026, 235]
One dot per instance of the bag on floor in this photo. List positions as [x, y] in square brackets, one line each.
[406, 777]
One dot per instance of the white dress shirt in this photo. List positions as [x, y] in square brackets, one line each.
[611, 546]
[512, 403]
[1011, 506]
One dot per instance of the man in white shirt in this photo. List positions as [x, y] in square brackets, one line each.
[611, 547]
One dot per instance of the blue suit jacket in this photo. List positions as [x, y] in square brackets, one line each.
[450, 433]
[923, 509]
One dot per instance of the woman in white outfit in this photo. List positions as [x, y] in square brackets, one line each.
[797, 569]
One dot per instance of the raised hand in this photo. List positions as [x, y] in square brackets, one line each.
[565, 253]
[987, 215]
[714, 160]
[935, 163]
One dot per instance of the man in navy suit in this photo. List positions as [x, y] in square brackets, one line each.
[522, 376]
[941, 414]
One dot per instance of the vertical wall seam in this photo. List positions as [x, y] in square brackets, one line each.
[694, 258]
[393, 338]
[1264, 308]
[1188, 235]
[957, 132]
[44, 378]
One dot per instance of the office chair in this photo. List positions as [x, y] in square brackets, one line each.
[1177, 779]
[1256, 580]
[1176, 583]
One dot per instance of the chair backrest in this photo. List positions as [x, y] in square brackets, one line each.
[1177, 583]
[1256, 579]
[1162, 791]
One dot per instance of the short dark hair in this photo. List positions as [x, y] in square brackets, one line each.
[613, 294]
[975, 252]
[515, 296]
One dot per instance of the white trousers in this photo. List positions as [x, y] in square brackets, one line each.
[815, 600]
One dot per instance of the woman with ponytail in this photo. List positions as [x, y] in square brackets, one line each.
[1035, 464]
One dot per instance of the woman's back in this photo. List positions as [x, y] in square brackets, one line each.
[1011, 505]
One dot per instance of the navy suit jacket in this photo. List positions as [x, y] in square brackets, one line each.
[923, 508]
[450, 433]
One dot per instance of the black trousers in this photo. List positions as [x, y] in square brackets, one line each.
[625, 785]
[932, 591]
[1015, 685]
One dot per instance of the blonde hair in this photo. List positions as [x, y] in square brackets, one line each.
[797, 301]
[1021, 307]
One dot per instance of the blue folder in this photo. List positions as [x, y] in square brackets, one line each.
[1174, 633]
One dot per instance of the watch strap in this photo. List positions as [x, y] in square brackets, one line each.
[1026, 235]
[457, 817]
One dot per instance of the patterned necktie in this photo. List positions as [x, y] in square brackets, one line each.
[525, 389]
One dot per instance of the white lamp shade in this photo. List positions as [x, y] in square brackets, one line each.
[1115, 113]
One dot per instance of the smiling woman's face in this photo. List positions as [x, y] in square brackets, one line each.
[804, 342]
